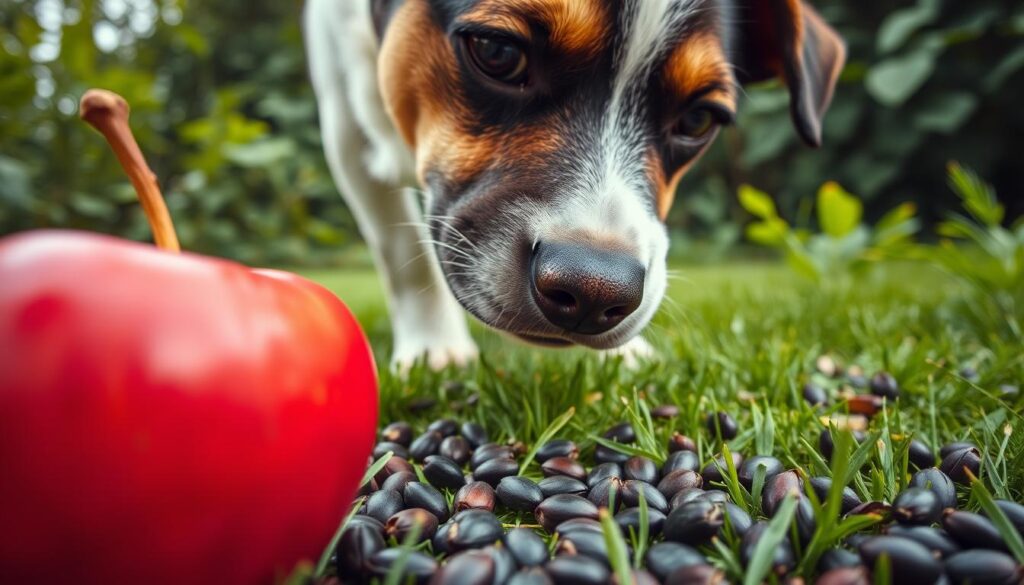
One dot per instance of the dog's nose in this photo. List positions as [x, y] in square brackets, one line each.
[586, 290]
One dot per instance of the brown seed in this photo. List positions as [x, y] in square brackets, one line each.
[665, 411]
[678, 442]
[401, 524]
[391, 467]
[475, 496]
[563, 466]
[696, 575]
[866, 404]
[640, 469]
[777, 489]
[397, 432]
[679, 480]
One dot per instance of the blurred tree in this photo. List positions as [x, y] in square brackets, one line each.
[225, 113]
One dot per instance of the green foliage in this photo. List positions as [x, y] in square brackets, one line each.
[845, 243]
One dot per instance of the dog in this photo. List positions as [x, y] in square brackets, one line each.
[517, 158]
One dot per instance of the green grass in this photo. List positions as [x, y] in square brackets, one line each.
[743, 338]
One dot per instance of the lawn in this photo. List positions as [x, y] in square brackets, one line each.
[744, 339]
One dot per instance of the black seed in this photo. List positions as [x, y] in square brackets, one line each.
[561, 484]
[557, 448]
[694, 523]
[600, 494]
[857, 380]
[519, 493]
[679, 480]
[958, 463]
[685, 495]
[383, 505]
[397, 432]
[845, 576]
[664, 558]
[857, 539]
[493, 471]
[1014, 513]
[910, 562]
[557, 509]
[439, 544]
[418, 566]
[398, 481]
[421, 404]
[715, 470]
[806, 523]
[603, 471]
[884, 385]
[563, 466]
[640, 469]
[472, 567]
[837, 558]
[920, 455]
[822, 485]
[367, 520]
[630, 518]
[444, 427]
[696, 575]
[630, 495]
[528, 549]
[455, 448]
[638, 577]
[397, 450]
[583, 542]
[680, 460]
[475, 495]
[578, 524]
[391, 467]
[777, 489]
[534, 576]
[665, 411]
[603, 454]
[490, 451]
[933, 539]
[358, 543]
[971, 530]
[426, 496]
[621, 433]
[714, 496]
[401, 524]
[504, 563]
[983, 567]
[473, 529]
[424, 446]
[474, 433]
[678, 442]
[939, 483]
[826, 445]
[577, 570]
[916, 506]
[814, 395]
[748, 469]
[783, 560]
[955, 446]
[737, 518]
[442, 472]
[722, 425]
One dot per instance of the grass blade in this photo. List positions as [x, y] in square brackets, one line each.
[1006, 529]
[618, 556]
[394, 576]
[549, 433]
[761, 561]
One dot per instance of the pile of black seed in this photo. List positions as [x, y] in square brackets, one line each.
[456, 517]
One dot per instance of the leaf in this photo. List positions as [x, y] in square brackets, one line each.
[893, 81]
[839, 213]
[945, 113]
[977, 195]
[757, 202]
[261, 153]
[770, 232]
[900, 25]
[761, 560]
[618, 556]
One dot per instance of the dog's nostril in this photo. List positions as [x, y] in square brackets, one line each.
[619, 312]
[562, 299]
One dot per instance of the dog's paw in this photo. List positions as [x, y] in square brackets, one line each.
[633, 353]
[437, 354]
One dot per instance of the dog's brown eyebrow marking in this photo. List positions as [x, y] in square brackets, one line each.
[575, 26]
[699, 65]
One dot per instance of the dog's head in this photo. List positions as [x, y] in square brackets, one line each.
[550, 136]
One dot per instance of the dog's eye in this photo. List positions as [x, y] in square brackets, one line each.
[499, 59]
[696, 123]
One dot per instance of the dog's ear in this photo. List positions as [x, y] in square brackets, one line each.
[789, 39]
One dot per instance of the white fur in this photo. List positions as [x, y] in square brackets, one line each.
[373, 168]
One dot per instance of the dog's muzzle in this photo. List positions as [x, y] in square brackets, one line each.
[585, 290]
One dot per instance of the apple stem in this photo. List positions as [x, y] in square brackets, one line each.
[108, 112]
